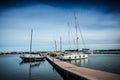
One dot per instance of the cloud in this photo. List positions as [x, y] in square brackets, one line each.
[107, 34]
[107, 6]
[98, 36]
[50, 22]
[103, 46]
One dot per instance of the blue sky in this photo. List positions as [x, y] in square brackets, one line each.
[100, 28]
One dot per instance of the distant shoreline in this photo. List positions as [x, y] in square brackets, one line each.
[106, 51]
[112, 51]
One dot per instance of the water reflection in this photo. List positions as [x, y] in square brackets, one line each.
[79, 62]
[12, 68]
[31, 65]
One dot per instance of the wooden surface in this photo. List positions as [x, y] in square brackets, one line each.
[89, 74]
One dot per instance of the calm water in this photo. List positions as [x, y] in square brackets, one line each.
[103, 62]
[11, 68]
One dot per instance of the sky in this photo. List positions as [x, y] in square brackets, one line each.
[99, 22]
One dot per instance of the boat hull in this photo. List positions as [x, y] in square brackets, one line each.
[65, 59]
[33, 59]
[73, 56]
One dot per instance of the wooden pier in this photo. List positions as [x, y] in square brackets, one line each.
[72, 72]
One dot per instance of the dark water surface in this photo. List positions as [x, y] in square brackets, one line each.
[11, 68]
[103, 62]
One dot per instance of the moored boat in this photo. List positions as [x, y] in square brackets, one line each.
[73, 56]
[30, 56]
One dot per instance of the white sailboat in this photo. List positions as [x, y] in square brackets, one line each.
[31, 56]
[74, 54]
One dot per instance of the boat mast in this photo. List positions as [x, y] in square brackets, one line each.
[69, 36]
[55, 46]
[76, 32]
[82, 37]
[60, 44]
[31, 41]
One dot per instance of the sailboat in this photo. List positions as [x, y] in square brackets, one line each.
[32, 57]
[74, 54]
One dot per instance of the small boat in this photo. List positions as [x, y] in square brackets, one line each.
[32, 57]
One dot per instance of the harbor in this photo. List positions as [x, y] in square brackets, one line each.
[59, 40]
